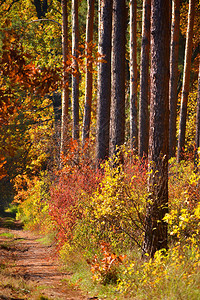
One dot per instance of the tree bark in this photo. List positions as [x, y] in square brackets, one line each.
[186, 81]
[118, 75]
[144, 82]
[173, 96]
[88, 87]
[155, 228]
[41, 8]
[133, 75]
[197, 136]
[65, 91]
[104, 80]
[75, 76]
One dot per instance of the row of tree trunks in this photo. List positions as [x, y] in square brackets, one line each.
[143, 137]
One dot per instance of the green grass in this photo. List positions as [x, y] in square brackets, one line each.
[47, 239]
[8, 235]
[167, 277]
[82, 278]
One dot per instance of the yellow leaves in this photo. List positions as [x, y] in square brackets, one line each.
[197, 211]
[157, 277]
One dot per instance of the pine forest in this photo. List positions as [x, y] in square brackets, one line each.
[100, 145]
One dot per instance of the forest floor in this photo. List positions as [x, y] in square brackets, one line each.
[29, 269]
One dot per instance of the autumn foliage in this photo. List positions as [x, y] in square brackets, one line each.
[91, 210]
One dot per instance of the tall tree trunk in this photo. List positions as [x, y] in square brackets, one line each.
[118, 75]
[144, 82]
[186, 81]
[197, 136]
[75, 76]
[133, 75]
[104, 79]
[88, 87]
[65, 91]
[155, 228]
[41, 8]
[173, 96]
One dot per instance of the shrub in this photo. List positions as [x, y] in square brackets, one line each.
[170, 275]
[105, 270]
[33, 201]
[77, 180]
[115, 211]
[184, 194]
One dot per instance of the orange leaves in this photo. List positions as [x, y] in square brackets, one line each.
[18, 69]
[19, 75]
[2, 170]
[105, 270]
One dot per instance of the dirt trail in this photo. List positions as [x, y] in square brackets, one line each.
[33, 262]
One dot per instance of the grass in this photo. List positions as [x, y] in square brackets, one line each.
[13, 286]
[82, 278]
[8, 235]
[172, 276]
[17, 288]
[48, 239]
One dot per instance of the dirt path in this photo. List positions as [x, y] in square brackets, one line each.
[26, 262]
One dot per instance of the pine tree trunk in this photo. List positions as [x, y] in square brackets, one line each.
[104, 79]
[197, 136]
[186, 81]
[118, 75]
[173, 96]
[88, 87]
[133, 75]
[75, 76]
[65, 91]
[155, 228]
[144, 82]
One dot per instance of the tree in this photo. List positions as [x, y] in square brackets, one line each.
[75, 75]
[104, 80]
[155, 228]
[197, 136]
[65, 91]
[88, 86]
[118, 75]
[186, 81]
[144, 82]
[173, 95]
[133, 75]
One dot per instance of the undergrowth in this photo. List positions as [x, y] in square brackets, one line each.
[90, 209]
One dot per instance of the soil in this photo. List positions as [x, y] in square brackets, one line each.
[33, 263]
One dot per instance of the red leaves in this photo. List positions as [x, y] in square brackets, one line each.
[76, 180]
